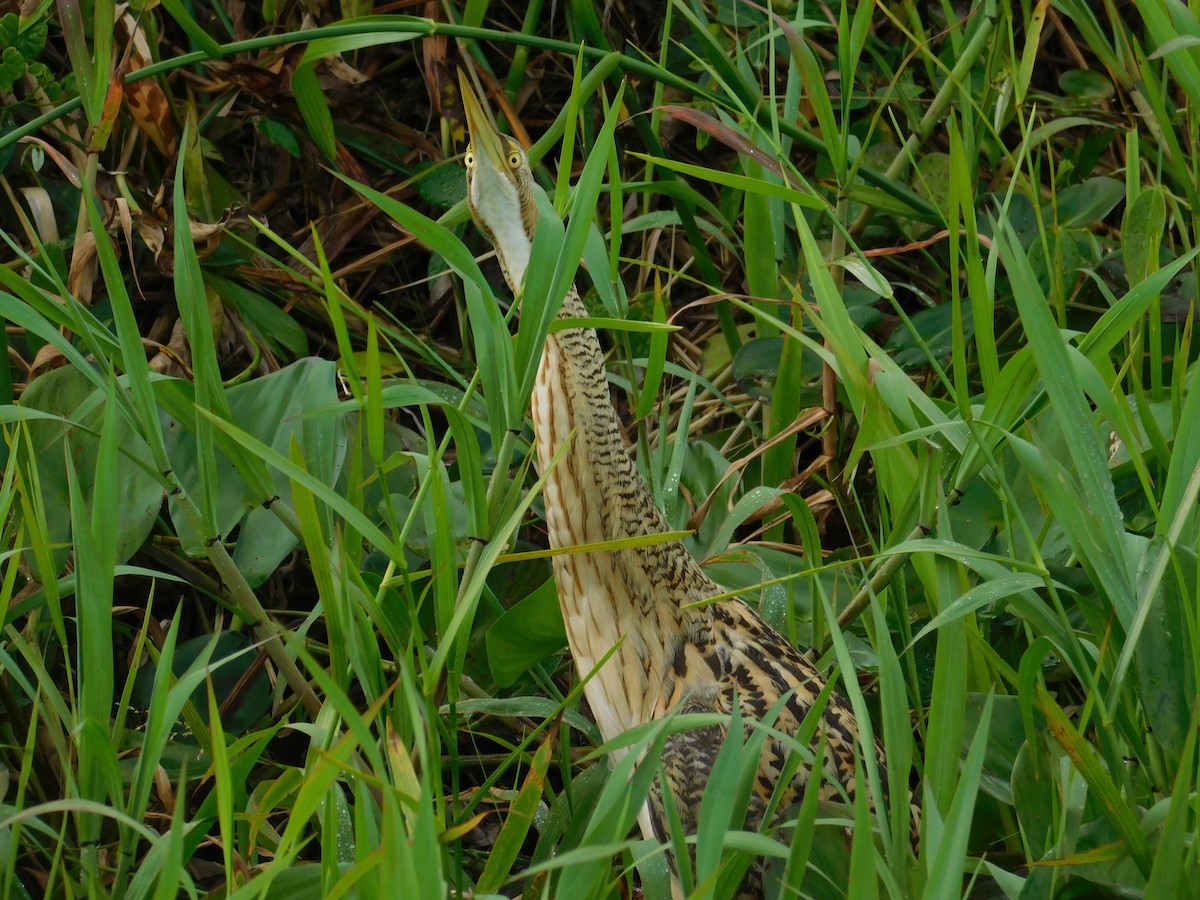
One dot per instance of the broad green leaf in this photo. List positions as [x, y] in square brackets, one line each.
[527, 633]
[271, 409]
[1084, 204]
[79, 410]
[1142, 233]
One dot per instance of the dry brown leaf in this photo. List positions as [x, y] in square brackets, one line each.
[82, 274]
[47, 357]
[152, 234]
[204, 231]
[165, 789]
[125, 221]
[175, 359]
[343, 71]
[147, 103]
[41, 210]
[260, 81]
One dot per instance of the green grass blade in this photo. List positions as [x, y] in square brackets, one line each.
[517, 824]
[1098, 534]
[1091, 767]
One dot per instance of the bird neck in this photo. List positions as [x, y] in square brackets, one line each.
[595, 493]
[635, 599]
[571, 405]
[512, 250]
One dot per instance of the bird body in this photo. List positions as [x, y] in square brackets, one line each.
[670, 655]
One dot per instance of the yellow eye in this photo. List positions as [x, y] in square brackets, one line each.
[514, 159]
[469, 159]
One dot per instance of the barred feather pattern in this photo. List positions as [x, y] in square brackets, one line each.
[668, 657]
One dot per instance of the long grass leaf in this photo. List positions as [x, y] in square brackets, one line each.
[1102, 527]
[1091, 767]
[946, 864]
[517, 824]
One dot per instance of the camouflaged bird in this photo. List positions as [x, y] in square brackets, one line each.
[670, 656]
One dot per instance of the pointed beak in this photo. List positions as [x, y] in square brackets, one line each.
[484, 139]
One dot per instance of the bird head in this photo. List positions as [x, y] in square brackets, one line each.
[499, 188]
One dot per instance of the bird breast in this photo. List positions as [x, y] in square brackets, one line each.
[608, 599]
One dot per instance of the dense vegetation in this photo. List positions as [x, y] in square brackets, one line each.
[900, 299]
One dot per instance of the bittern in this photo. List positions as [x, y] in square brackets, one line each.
[672, 651]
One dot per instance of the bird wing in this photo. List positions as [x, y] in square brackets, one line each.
[730, 656]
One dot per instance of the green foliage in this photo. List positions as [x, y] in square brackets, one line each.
[23, 40]
[909, 359]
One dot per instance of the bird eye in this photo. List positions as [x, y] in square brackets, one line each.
[514, 159]
[469, 159]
